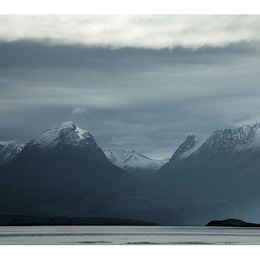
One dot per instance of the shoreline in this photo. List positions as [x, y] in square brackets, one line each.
[24, 220]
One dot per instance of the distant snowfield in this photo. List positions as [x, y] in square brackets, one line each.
[125, 159]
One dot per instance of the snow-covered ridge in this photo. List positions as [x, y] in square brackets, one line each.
[131, 159]
[9, 149]
[189, 146]
[243, 138]
[64, 134]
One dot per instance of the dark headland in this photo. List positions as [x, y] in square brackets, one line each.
[19, 220]
[231, 223]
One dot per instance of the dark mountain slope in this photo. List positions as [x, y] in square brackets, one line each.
[62, 170]
[226, 166]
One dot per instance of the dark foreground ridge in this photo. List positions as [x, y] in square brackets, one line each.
[16, 220]
[231, 223]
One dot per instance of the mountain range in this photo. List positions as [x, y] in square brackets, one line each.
[63, 172]
[225, 167]
[133, 162]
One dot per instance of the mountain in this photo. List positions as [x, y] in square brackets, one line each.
[189, 146]
[66, 134]
[241, 139]
[9, 149]
[132, 159]
[63, 171]
[66, 138]
[133, 162]
[226, 167]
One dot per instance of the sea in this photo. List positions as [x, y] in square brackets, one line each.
[128, 235]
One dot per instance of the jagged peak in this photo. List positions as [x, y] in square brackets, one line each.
[244, 137]
[191, 137]
[67, 124]
[239, 133]
[190, 145]
[189, 142]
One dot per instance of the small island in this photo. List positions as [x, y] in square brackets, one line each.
[20, 220]
[231, 223]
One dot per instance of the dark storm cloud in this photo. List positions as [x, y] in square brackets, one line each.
[147, 100]
[27, 54]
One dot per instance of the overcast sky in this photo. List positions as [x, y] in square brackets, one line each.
[135, 82]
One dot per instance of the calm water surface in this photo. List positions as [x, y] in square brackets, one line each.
[128, 235]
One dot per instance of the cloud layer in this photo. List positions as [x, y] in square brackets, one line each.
[146, 100]
[138, 31]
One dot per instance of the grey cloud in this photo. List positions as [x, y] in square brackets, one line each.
[79, 111]
[30, 55]
[129, 139]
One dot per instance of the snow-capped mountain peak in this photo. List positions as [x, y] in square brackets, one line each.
[9, 149]
[189, 146]
[65, 134]
[242, 138]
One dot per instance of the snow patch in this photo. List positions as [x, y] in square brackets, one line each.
[191, 151]
[81, 133]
